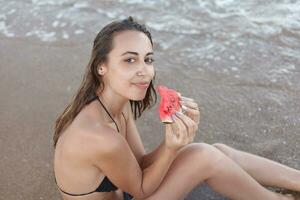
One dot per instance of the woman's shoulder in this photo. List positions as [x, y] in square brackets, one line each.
[88, 142]
[85, 127]
[89, 129]
[94, 133]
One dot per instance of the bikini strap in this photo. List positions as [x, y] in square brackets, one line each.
[70, 193]
[108, 113]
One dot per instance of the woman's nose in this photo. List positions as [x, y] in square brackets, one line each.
[139, 73]
[142, 70]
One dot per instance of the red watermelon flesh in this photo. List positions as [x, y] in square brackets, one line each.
[169, 103]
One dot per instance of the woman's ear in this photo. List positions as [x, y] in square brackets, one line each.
[101, 69]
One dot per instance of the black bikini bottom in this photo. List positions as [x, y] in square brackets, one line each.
[127, 196]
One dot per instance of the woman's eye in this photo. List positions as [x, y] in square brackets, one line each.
[129, 60]
[149, 60]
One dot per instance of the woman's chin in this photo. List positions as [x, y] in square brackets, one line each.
[138, 97]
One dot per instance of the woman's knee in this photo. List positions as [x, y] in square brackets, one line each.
[194, 164]
[227, 150]
[209, 157]
[221, 146]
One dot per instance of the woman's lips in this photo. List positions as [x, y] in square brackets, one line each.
[142, 86]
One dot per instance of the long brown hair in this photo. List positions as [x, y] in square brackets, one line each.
[92, 80]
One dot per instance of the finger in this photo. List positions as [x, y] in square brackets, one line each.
[174, 126]
[197, 116]
[189, 123]
[180, 127]
[177, 126]
[192, 113]
[192, 110]
[179, 94]
[190, 104]
[184, 109]
[191, 127]
[186, 98]
[186, 120]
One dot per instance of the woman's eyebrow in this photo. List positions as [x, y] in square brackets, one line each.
[135, 53]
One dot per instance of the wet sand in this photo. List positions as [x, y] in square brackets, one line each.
[38, 79]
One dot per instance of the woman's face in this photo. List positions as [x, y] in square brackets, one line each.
[129, 62]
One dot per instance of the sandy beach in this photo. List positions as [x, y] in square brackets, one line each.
[36, 83]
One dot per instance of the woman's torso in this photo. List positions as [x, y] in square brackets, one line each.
[73, 171]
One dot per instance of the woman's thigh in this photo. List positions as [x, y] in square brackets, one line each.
[194, 164]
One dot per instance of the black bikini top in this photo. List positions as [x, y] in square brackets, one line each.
[106, 185]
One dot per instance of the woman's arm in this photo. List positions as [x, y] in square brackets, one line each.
[150, 157]
[112, 154]
[156, 171]
[136, 145]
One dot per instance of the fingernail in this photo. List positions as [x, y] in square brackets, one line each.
[173, 117]
[186, 98]
[179, 113]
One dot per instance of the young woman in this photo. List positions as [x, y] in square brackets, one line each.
[99, 153]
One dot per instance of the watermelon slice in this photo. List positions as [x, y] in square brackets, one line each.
[169, 103]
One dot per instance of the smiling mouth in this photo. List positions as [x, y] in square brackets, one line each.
[142, 86]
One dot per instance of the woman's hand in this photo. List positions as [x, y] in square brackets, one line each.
[181, 132]
[185, 125]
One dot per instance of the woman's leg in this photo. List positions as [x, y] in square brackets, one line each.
[199, 162]
[263, 170]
